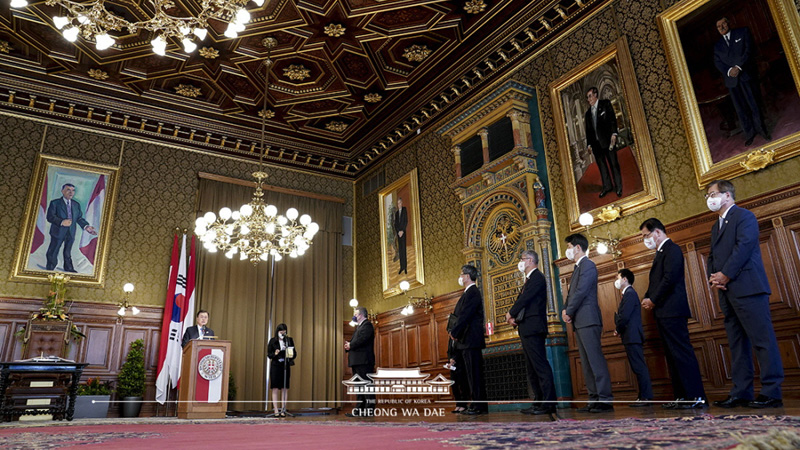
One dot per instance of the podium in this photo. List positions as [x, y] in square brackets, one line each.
[204, 380]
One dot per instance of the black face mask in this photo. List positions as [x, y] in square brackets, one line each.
[355, 318]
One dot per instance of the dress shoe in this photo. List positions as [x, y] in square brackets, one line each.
[693, 403]
[587, 408]
[544, 410]
[475, 412]
[400, 271]
[350, 415]
[762, 401]
[601, 407]
[766, 136]
[619, 192]
[531, 410]
[732, 402]
[672, 405]
[641, 403]
[604, 192]
[749, 140]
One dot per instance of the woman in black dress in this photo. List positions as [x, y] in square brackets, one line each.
[276, 351]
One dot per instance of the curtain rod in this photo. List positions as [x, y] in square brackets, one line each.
[266, 187]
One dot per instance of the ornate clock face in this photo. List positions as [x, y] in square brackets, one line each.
[504, 238]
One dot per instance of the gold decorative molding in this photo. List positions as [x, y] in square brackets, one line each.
[98, 74]
[209, 53]
[188, 90]
[610, 213]
[372, 97]
[336, 126]
[475, 6]
[334, 30]
[296, 72]
[758, 159]
[416, 53]
[5, 47]
[266, 114]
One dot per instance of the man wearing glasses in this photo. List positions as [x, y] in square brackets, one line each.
[736, 272]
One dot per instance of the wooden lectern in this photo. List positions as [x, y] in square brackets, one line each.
[204, 380]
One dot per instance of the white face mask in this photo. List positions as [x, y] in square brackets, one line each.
[650, 243]
[570, 254]
[618, 283]
[460, 281]
[281, 336]
[521, 266]
[714, 203]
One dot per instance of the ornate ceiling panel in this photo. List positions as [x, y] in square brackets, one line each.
[351, 79]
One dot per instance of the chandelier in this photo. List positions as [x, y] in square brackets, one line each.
[94, 22]
[256, 231]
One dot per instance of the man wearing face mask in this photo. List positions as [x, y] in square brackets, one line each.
[198, 331]
[737, 274]
[532, 333]
[628, 322]
[467, 331]
[666, 296]
[583, 312]
[361, 359]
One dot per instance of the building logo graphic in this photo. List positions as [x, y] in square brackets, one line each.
[398, 382]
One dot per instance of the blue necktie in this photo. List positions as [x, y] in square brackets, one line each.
[69, 210]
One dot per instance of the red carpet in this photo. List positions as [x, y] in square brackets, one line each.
[590, 186]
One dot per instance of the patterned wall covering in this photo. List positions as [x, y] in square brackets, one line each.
[157, 192]
[637, 21]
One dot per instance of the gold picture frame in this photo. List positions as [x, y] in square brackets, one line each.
[44, 239]
[706, 103]
[611, 72]
[406, 189]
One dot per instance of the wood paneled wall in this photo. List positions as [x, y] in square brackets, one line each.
[779, 222]
[107, 341]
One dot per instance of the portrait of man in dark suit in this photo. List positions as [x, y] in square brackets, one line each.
[399, 224]
[601, 139]
[65, 215]
[733, 57]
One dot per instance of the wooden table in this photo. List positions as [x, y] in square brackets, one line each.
[53, 381]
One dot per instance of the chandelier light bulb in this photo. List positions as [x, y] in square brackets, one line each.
[59, 21]
[159, 46]
[236, 215]
[586, 219]
[282, 220]
[201, 222]
[201, 33]
[238, 27]
[244, 229]
[277, 257]
[210, 217]
[242, 256]
[135, 310]
[103, 41]
[273, 252]
[19, 3]
[293, 254]
[242, 16]
[246, 210]
[185, 30]
[271, 211]
[213, 249]
[285, 232]
[229, 255]
[200, 231]
[244, 243]
[404, 285]
[602, 248]
[264, 256]
[229, 230]
[313, 228]
[121, 311]
[300, 252]
[225, 213]
[128, 287]
[305, 219]
[299, 241]
[283, 242]
[353, 303]
[291, 214]
[71, 34]
[259, 3]
[188, 45]
[230, 32]
[83, 20]
[270, 228]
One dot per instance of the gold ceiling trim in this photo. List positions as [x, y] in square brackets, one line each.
[372, 97]
[416, 53]
[475, 6]
[98, 74]
[209, 53]
[296, 72]
[334, 30]
[187, 90]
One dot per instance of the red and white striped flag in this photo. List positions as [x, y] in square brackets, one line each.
[41, 220]
[94, 210]
[169, 355]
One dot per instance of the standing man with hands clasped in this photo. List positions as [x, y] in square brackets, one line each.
[532, 305]
[628, 323]
[468, 334]
[361, 359]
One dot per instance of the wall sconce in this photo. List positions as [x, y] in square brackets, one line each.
[372, 317]
[124, 304]
[608, 245]
[424, 302]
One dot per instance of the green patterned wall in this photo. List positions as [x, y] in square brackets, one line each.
[634, 19]
[157, 193]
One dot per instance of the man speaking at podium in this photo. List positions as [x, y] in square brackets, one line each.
[198, 331]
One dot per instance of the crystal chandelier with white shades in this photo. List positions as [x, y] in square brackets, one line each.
[93, 22]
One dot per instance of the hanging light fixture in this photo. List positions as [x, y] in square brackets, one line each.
[124, 305]
[93, 21]
[256, 231]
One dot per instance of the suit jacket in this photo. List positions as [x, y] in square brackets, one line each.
[735, 251]
[362, 346]
[274, 344]
[600, 138]
[57, 212]
[400, 220]
[533, 298]
[581, 302]
[667, 288]
[192, 333]
[469, 311]
[628, 318]
[739, 53]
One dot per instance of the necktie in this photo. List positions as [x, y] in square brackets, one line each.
[202, 331]
[728, 40]
[721, 221]
[69, 210]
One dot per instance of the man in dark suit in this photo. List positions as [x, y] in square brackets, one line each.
[532, 302]
[198, 331]
[467, 331]
[628, 322]
[583, 312]
[737, 274]
[601, 138]
[666, 296]
[361, 359]
[399, 223]
[733, 57]
[64, 214]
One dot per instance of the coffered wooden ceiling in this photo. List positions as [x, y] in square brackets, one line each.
[352, 79]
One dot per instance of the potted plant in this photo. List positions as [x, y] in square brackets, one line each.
[130, 384]
[53, 317]
[93, 399]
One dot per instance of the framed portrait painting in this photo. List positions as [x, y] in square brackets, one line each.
[737, 79]
[603, 140]
[67, 221]
[401, 237]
